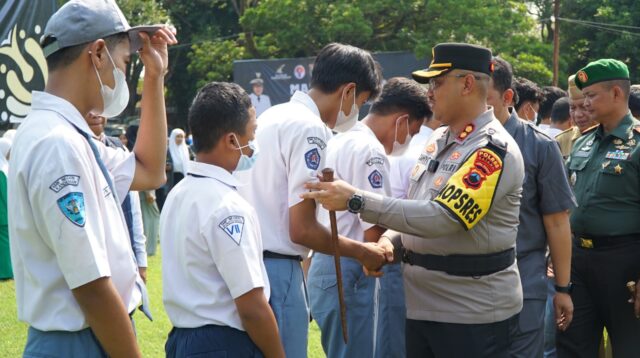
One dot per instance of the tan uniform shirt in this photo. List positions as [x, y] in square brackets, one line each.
[468, 204]
[566, 139]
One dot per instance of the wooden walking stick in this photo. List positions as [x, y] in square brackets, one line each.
[327, 176]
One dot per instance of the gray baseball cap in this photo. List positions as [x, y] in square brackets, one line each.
[82, 21]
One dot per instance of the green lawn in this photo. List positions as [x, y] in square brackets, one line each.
[151, 335]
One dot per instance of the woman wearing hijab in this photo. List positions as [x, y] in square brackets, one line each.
[177, 158]
[6, 272]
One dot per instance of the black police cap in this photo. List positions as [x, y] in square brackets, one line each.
[451, 56]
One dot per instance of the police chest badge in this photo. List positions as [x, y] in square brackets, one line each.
[72, 207]
[312, 158]
[375, 179]
[233, 226]
[469, 192]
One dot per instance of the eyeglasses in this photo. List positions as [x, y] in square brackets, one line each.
[438, 81]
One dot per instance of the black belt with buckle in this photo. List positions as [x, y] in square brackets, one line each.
[275, 255]
[596, 242]
[462, 265]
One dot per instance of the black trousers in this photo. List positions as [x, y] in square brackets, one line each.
[600, 298]
[427, 339]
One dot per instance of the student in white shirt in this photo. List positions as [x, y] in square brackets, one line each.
[375, 307]
[75, 273]
[216, 289]
[293, 139]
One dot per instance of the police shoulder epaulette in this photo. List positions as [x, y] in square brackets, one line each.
[498, 142]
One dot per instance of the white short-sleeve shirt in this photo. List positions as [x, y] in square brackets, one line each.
[358, 158]
[401, 166]
[211, 249]
[66, 228]
[293, 142]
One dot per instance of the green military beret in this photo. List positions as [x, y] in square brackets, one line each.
[602, 70]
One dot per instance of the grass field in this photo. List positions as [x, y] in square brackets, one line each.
[151, 335]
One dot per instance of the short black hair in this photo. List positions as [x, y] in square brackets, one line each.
[527, 91]
[502, 74]
[402, 94]
[338, 64]
[551, 95]
[560, 110]
[67, 55]
[634, 100]
[218, 108]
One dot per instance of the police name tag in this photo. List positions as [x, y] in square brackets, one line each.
[418, 172]
[469, 192]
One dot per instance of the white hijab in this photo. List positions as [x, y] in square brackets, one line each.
[179, 153]
[5, 146]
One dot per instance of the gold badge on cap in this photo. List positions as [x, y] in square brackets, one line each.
[582, 76]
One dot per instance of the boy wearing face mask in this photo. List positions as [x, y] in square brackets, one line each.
[376, 309]
[76, 279]
[216, 289]
[293, 140]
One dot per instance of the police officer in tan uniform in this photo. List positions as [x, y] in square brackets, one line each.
[456, 233]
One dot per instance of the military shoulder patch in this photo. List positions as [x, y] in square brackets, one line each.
[233, 226]
[375, 179]
[63, 182]
[317, 141]
[312, 158]
[72, 207]
[469, 192]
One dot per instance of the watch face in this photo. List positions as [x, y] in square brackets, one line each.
[355, 203]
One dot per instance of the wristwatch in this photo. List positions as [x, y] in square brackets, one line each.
[564, 289]
[355, 204]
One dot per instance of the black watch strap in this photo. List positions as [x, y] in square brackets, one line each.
[564, 289]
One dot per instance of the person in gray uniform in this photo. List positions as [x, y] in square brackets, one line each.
[456, 233]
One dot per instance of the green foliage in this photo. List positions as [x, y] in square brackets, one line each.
[531, 67]
[213, 60]
[582, 42]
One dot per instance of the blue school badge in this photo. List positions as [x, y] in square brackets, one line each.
[312, 158]
[233, 226]
[72, 206]
[375, 179]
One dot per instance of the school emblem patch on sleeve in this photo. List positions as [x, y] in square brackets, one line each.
[312, 158]
[72, 207]
[469, 192]
[375, 179]
[233, 226]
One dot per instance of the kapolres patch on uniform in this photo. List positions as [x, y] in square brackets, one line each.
[375, 160]
[233, 226]
[469, 192]
[63, 182]
[312, 158]
[72, 207]
[375, 179]
[317, 141]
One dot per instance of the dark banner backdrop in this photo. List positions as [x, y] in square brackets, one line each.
[22, 64]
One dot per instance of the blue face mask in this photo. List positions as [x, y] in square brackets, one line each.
[245, 162]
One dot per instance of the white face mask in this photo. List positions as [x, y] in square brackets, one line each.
[114, 100]
[344, 122]
[399, 149]
[246, 162]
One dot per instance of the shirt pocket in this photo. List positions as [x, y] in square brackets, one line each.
[616, 179]
[576, 170]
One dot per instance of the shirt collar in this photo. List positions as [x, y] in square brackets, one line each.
[213, 172]
[472, 128]
[623, 129]
[512, 123]
[49, 102]
[307, 101]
